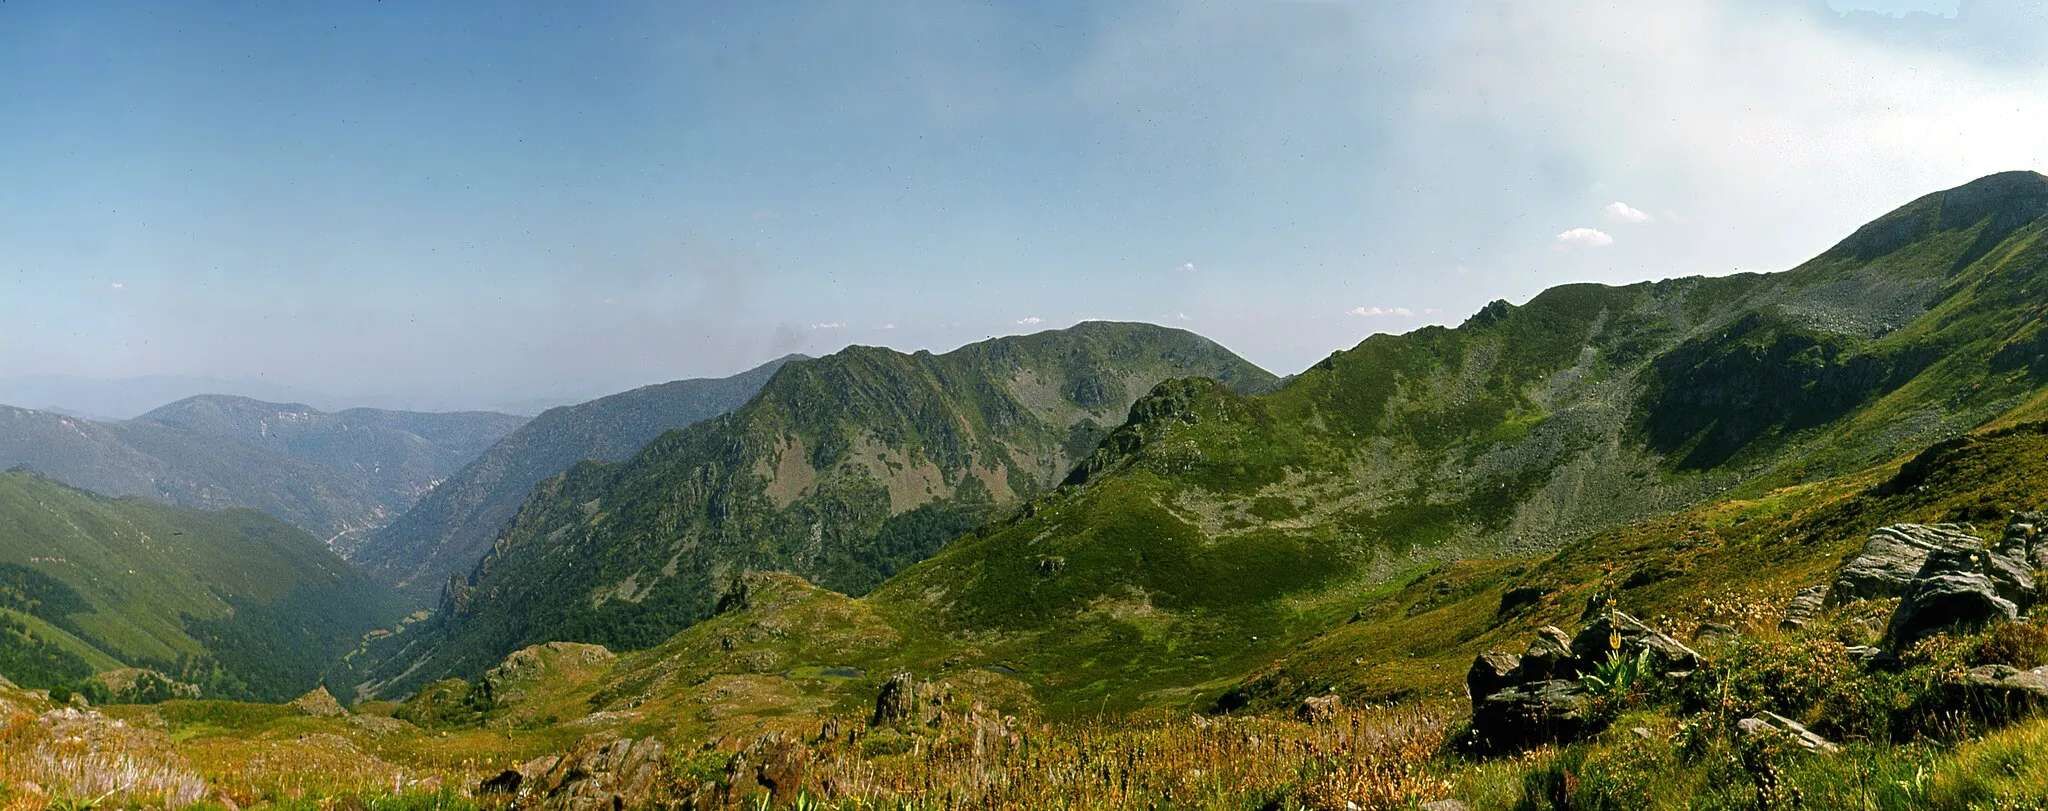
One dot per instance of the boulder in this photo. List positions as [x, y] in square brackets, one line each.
[1614, 631]
[319, 703]
[1947, 601]
[1446, 805]
[1890, 558]
[1533, 713]
[1863, 654]
[1805, 607]
[1549, 656]
[2005, 691]
[1770, 723]
[1711, 634]
[1319, 709]
[1491, 673]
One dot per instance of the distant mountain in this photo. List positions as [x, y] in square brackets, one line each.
[129, 397]
[452, 527]
[331, 474]
[844, 469]
[236, 601]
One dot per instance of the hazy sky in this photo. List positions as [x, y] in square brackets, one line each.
[473, 203]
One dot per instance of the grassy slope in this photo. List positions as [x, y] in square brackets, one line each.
[844, 469]
[148, 584]
[1214, 525]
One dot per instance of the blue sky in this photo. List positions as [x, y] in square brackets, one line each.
[470, 203]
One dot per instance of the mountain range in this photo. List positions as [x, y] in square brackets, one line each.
[844, 469]
[1213, 510]
[332, 474]
[1118, 558]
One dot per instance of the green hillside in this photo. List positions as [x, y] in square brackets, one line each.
[452, 526]
[843, 469]
[236, 601]
[1208, 525]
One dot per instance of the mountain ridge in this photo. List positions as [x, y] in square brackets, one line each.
[848, 466]
[452, 526]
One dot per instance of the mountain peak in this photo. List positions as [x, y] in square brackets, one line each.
[2009, 200]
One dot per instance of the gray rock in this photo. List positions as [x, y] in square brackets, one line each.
[597, 774]
[1891, 557]
[1549, 656]
[1614, 631]
[1805, 607]
[2006, 691]
[2009, 575]
[2022, 538]
[1319, 709]
[1446, 805]
[1770, 723]
[897, 701]
[1491, 673]
[1533, 713]
[1864, 654]
[1947, 601]
[1715, 633]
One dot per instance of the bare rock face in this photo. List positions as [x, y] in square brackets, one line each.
[1891, 557]
[319, 703]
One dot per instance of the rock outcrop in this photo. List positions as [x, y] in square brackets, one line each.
[597, 774]
[1615, 632]
[1805, 607]
[1519, 701]
[1956, 588]
[1890, 558]
[1770, 723]
[1491, 673]
[1532, 713]
[319, 703]
[1319, 709]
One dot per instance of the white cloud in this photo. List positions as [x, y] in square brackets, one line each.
[1584, 238]
[886, 326]
[1187, 267]
[1623, 212]
[1375, 312]
[1029, 320]
[1182, 317]
[117, 286]
[829, 325]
